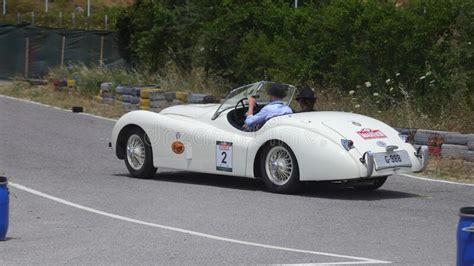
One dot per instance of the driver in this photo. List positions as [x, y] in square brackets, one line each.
[276, 107]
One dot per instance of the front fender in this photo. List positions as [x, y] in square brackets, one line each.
[145, 120]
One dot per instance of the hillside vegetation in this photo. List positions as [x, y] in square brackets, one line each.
[415, 58]
[24, 6]
[21, 11]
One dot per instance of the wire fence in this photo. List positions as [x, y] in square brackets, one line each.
[59, 19]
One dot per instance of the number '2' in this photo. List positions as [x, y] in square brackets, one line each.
[224, 154]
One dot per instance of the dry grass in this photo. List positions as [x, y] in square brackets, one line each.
[63, 99]
[451, 169]
[88, 77]
[170, 78]
[196, 80]
[400, 111]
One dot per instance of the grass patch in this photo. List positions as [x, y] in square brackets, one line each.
[88, 80]
[63, 99]
[399, 108]
[170, 78]
[450, 169]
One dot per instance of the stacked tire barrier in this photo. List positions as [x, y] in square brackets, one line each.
[129, 96]
[151, 98]
[445, 144]
[106, 93]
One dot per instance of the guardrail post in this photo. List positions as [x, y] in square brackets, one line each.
[106, 22]
[101, 60]
[74, 20]
[63, 46]
[27, 56]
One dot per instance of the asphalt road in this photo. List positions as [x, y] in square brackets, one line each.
[121, 220]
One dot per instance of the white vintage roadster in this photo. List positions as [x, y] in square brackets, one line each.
[311, 146]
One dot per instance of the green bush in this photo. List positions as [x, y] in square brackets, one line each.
[426, 45]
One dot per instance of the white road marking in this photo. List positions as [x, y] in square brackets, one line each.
[330, 263]
[437, 180]
[358, 260]
[100, 117]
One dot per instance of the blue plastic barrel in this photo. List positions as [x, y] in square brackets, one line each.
[3, 207]
[466, 237]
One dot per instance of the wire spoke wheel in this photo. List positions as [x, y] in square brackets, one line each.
[279, 165]
[138, 154]
[135, 152]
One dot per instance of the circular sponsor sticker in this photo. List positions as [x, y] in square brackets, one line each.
[177, 147]
[381, 143]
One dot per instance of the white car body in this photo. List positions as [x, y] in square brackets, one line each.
[314, 138]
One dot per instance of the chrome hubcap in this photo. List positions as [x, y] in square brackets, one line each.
[279, 165]
[135, 152]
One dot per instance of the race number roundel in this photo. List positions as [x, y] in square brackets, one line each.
[224, 156]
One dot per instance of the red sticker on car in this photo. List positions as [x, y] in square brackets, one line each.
[368, 133]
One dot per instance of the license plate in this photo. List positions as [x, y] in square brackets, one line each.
[395, 159]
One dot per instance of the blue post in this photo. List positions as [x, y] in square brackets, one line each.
[466, 237]
[3, 208]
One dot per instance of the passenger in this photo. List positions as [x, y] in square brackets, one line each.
[306, 100]
[276, 107]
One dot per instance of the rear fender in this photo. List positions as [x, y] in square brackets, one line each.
[319, 158]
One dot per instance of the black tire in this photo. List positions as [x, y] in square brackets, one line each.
[292, 183]
[146, 170]
[378, 182]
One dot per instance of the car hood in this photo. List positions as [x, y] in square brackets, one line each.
[191, 110]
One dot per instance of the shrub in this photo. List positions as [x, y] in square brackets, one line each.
[331, 44]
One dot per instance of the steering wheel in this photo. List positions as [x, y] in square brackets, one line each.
[241, 102]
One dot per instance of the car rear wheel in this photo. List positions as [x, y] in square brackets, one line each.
[279, 168]
[139, 155]
[377, 183]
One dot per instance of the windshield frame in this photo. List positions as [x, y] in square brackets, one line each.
[243, 92]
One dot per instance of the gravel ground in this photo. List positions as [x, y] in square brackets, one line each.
[407, 221]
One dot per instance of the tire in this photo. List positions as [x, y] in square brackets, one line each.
[274, 178]
[138, 166]
[453, 151]
[378, 182]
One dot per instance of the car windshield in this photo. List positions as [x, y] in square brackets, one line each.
[258, 90]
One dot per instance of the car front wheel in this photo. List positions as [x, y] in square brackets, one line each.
[139, 155]
[279, 168]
